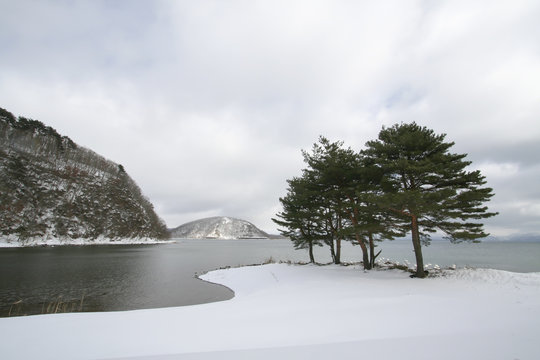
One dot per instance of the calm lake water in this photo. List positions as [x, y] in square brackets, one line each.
[109, 278]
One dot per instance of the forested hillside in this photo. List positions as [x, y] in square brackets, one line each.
[52, 188]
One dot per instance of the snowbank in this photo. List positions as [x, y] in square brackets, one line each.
[307, 312]
[13, 241]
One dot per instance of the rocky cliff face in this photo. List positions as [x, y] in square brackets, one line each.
[219, 228]
[52, 188]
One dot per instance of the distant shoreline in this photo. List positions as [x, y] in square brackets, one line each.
[9, 242]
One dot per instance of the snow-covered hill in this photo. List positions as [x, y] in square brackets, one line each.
[220, 227]
[55, 191]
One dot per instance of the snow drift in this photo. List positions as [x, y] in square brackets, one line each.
[307, 312]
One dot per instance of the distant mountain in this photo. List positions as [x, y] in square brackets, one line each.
[220, 227]
[515, 237]
[54, 189]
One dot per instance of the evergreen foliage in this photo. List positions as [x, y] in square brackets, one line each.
[428, 186]
[328, 167]
[406, 180]
[301, 219]
[331, 203]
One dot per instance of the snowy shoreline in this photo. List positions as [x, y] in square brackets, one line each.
[300, 312]
[13, 241]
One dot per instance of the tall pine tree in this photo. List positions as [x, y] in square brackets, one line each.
[428, 186]
[329, 169]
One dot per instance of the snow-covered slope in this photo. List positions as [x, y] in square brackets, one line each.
[220, 227]
[53, 191]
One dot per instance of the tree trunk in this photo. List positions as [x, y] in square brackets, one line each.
[332, 250]
[311, 257]
[337, 260]
[371, 251]
[365, 255]
[375, 257]
[417, 248]
[372, 255]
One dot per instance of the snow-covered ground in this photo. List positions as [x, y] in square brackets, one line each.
[307, 312]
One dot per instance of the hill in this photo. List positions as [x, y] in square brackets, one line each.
[52, 188]
[220, 227]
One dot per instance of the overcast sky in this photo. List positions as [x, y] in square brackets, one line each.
[208, 104]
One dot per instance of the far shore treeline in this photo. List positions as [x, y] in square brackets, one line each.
[405, 181]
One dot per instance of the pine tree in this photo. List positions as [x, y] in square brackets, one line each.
[301, 220]
[370, 222]
[330, 168]
[427, 186]
[332, 202]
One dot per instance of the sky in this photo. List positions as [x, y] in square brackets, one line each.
[208, 104]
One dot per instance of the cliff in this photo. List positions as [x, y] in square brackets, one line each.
[52, 188]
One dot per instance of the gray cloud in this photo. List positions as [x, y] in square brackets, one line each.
[207, 104]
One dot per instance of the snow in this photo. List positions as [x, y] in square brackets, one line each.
[307, 312]
[13, 241]
[219, 227]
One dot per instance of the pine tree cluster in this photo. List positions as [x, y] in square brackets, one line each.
[404, 181]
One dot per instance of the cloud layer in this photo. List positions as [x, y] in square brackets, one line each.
[207, 104]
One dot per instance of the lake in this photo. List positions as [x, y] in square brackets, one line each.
[126, 277]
